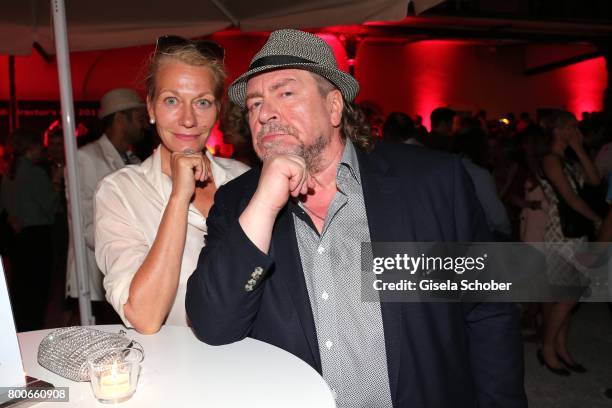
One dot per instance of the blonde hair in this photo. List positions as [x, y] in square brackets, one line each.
[188, 54]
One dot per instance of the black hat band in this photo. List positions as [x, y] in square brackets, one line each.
[279, 60]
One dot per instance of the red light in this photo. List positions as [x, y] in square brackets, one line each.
[51, 127]
[434, 62]
[584, 83]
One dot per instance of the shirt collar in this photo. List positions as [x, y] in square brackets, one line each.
[349, 160]
[110, 151]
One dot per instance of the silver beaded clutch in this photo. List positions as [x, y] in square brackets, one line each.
[64, 351]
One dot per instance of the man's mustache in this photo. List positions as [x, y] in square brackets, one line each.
[275, 128]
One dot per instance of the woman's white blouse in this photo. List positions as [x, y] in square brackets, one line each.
[128, 208]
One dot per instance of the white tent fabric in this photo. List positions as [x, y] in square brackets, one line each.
[124, 23]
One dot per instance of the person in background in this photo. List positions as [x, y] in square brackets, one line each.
[236, 132]
[605, 235]
[532, 220]
[31, 204]
[472, 145]
[532, 201]
[481, 117]
[603, 157]
[399, 128]
[560, 180]
[123, 117]
[151, 220]
[523, 122]
[420, 128]
[442, 120]
[6, 232]
[59, 311]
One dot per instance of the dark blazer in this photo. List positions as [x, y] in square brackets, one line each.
[438, 354]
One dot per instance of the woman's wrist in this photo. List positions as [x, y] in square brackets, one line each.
[179, 200]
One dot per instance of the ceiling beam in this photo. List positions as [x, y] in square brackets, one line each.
[563, 63]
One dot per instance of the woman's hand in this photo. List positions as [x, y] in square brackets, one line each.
[187, 168]
[575, 138]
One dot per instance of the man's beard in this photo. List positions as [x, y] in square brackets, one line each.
[310, 153]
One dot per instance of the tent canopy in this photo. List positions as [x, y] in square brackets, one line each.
[121, 23]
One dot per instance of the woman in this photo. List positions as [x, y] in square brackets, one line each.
[560, 180]
[150, 220]
[30, 200]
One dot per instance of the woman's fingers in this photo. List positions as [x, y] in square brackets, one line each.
[187, 168]
[197, 166]
[207, 170]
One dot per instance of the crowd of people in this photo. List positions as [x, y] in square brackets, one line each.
[266, 249]
[530, 176]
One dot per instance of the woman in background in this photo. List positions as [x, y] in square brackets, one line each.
[560, 180]
[30, 200]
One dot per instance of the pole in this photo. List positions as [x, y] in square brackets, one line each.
[65, 81]
[13, 108]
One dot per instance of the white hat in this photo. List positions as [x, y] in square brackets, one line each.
[118, 100]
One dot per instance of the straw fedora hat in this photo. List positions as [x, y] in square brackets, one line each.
[295, 49]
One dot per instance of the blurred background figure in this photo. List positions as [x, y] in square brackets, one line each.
[420, 128]
[533, 217]
[30, 200]
[6, 232]
[523, 122]
[561, 179]
[603, 157]
[236, 132]
[399, 128]
[481, 117]
[441, 129]
[472, 145]
[54, 162]
[123, 117]
[533, 203]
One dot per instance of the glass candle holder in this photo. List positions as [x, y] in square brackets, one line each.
[114, 373]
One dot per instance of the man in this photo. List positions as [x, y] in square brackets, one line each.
[123, 116]
[282, 257]
[399, 128]
[442, 123]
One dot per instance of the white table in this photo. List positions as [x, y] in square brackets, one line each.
[180, 371]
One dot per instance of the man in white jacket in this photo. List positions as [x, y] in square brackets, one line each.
[123, 116]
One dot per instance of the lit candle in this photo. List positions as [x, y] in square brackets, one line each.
[114, 383]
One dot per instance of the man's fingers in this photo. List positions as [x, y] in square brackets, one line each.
[311, 182]
[304, 189]
[296, 181]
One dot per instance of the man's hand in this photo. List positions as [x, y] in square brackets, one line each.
[188, 168]
[282, 176]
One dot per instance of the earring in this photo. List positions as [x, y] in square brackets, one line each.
[152, 121]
